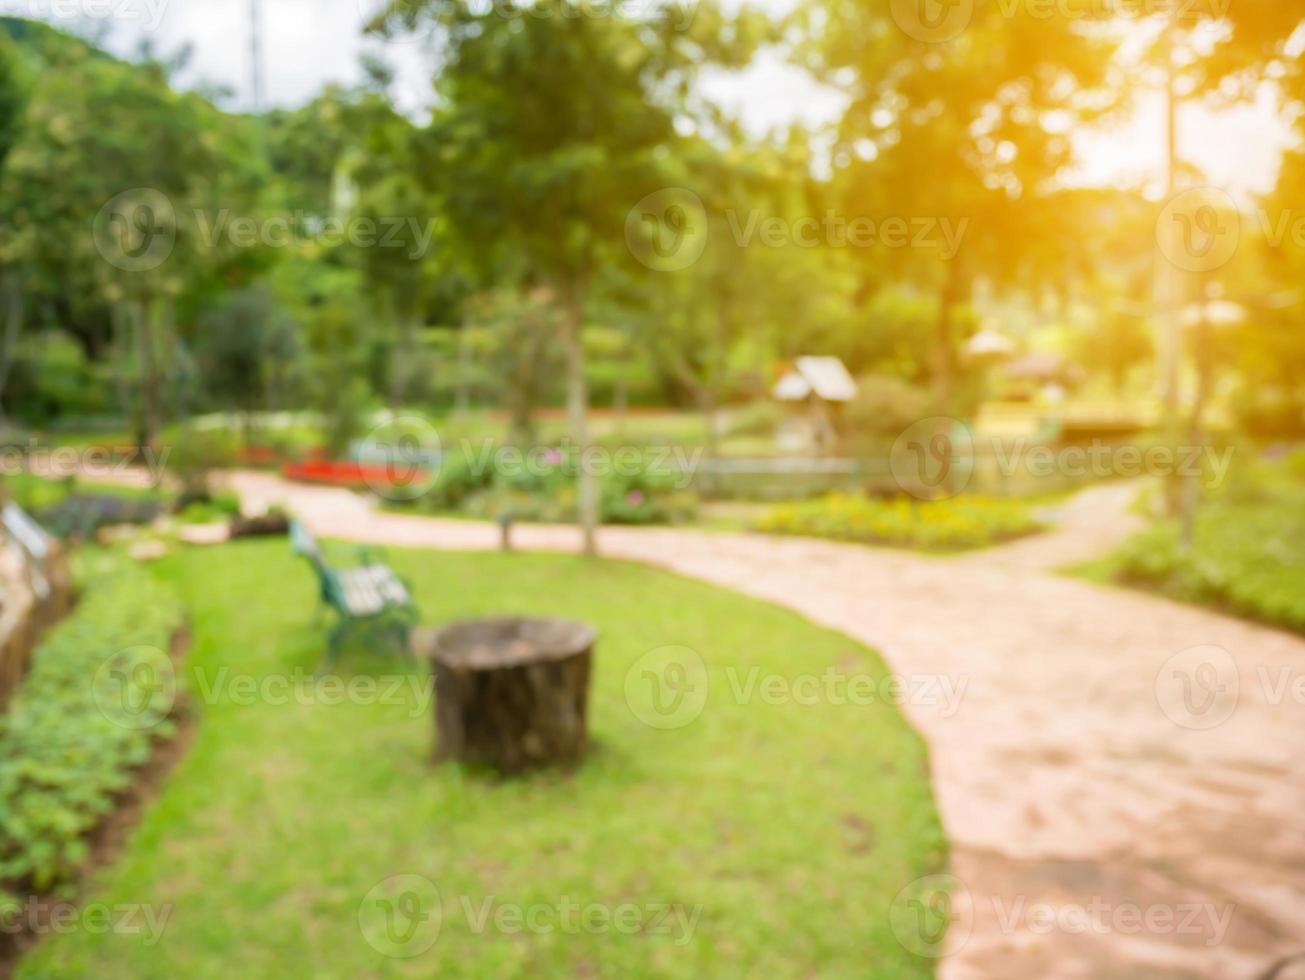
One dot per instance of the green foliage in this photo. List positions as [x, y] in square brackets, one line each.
[64, 754]
[247, 348]
[85, 513]
[196, 452]
[1248, 552]
[220, 507]
[885, 406]
[53, 379]
[944, 525]
[540, 486]
[345, 415]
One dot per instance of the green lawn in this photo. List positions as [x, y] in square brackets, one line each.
[787, 829]
[1248, 552]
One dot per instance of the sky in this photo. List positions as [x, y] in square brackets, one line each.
[309, 43]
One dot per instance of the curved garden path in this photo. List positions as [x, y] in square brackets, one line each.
[1094, 833]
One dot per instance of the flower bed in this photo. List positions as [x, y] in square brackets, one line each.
[944, 525]
[66, 750]
[343, 473]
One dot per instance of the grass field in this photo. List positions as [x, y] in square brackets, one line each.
[1247, 555]
[778, 834]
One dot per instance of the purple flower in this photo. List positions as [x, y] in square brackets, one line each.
[553, 456]
[634, 498]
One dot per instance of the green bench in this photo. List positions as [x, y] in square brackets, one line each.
[369, 594]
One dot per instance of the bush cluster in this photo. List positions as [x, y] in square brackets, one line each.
[641, 494]
[64, 755]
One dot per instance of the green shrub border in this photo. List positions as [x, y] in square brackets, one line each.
[99, 698]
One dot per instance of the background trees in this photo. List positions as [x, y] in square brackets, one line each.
[563, 147]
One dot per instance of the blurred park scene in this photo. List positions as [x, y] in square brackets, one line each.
[675, 488]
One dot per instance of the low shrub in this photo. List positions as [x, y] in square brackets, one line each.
[945, 525]
[221, 506]
[1248, 552]
[86, 513]
[541, 486]
[66, 748]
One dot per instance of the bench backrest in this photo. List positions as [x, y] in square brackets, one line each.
[304, 544]
[33, 544]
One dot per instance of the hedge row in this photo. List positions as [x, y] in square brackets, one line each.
[100, 691]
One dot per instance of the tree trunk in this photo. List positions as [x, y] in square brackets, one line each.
[462, 396]
[577, 406]
[620, 399]
[401, 360]
[13, 324]
[707, 404]
[121, 351]
[1190, 488]
[148, 428]
[512, 693]
[944, 354]
[944, 368]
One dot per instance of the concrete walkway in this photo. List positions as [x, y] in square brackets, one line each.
[1117, 807]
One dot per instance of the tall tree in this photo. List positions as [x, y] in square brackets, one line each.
[552, 125]
[967, 123]
[107, 177]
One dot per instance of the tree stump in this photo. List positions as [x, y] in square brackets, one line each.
[512, 693]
